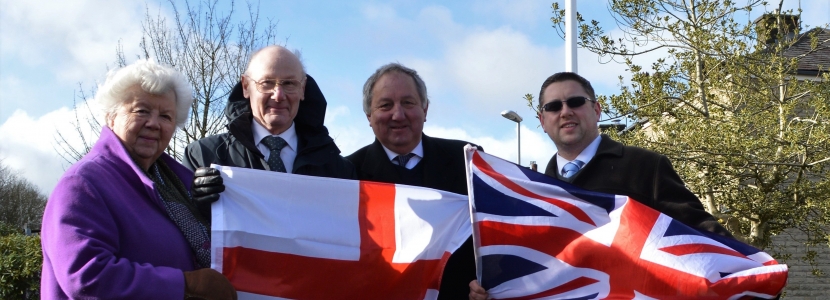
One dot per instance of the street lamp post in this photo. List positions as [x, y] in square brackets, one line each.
[513, 116]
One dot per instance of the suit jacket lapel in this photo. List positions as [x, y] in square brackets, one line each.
[377, 166]
[434, 163]
[607, 146]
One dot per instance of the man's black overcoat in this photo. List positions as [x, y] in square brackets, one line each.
[645, 176]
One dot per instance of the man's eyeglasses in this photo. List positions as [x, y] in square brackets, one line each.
[266, 86]
[573, 102]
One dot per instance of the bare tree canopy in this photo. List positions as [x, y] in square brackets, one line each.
[203, 43]
[20, 200]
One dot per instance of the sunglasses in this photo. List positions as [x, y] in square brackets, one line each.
[573, 102]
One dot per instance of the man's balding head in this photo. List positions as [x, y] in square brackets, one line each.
[274, 82]
[266, 55]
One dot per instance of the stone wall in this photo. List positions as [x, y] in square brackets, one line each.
[802, 284]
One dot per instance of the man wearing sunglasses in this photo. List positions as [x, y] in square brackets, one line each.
[275, 122]
[569, 114]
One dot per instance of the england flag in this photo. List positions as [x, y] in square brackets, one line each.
[288, 236]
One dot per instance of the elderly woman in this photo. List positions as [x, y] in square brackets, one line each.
[121, 224]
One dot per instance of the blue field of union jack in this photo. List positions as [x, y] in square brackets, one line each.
[541, 238]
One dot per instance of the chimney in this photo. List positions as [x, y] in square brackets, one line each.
[767, 28]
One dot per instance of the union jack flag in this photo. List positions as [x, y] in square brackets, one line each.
[538, 237]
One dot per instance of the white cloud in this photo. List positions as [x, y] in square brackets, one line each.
[29, 144]
[79, 37]
[332, 114]
[349, 131]
[476, 72]
[496, 67]
[536, 146]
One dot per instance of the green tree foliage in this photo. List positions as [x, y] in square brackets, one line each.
[723, 101]
[21, 204]
[20, 264]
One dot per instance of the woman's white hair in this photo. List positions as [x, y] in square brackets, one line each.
[153, 78]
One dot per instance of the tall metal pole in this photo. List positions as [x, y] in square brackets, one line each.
[519, 129]
[570, 36]
[513, 116]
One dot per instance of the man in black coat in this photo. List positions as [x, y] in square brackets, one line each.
[569, 112]
[275, 122]
[395, 102]
[275, 98]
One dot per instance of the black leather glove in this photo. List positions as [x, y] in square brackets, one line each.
[207, 184]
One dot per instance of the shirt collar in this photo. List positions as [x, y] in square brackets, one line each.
[418, 151]
[289, 135]
[585, 156]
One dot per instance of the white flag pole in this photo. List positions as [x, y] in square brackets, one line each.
[570, 36]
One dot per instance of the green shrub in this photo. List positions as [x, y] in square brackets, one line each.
[20, 262]
[6, 229]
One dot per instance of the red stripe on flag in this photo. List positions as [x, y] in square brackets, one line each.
[377, 218]
[570, 208]
[687, 249]
[373, 276]
[770, 263]
[766, 283]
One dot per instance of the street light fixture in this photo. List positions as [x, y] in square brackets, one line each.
[513, 116]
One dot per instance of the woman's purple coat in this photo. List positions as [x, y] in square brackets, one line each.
[106, 233]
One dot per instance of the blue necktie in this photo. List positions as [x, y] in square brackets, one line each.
[276, 144]
[571, 168]
[403, 159]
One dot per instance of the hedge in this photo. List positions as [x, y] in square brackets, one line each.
[20, 262]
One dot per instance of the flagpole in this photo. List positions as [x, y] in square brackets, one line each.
[570, 36]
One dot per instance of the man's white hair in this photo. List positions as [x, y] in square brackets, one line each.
[153, 78]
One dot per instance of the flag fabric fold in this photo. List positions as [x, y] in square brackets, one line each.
[287, 236]
[540, 237]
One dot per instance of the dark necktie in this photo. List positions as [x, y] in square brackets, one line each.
[571, 168]
[403, 159]
[276, 144]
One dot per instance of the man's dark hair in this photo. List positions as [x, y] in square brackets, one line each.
[564, 76]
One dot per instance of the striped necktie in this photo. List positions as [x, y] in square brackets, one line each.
[571, 168]
[403, 159]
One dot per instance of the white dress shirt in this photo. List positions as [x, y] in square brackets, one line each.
[418, 151]
[287, 154]
[585, 156]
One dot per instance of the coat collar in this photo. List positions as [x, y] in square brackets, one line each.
[312, 135]
[109, 146]
[607, 146]
[383, 168]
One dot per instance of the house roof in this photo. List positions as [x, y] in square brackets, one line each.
[817, 61]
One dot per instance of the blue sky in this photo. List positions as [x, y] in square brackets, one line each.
[476, 57]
